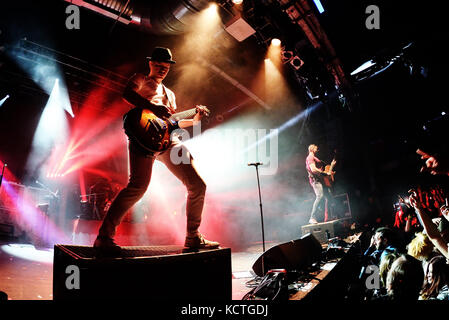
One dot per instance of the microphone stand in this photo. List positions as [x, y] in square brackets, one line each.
[3, 171]
[256, 165]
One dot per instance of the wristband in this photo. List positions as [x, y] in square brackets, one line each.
[173, 124]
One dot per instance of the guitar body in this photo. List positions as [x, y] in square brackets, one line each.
[148, 130]
[152, 131]
[329, 179]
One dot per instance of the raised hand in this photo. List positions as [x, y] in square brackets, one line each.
[414, 198]
[432, 165]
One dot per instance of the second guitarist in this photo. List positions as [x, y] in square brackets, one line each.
[148, 92]
[316, 180]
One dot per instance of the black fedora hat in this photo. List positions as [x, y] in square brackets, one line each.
[161, 55]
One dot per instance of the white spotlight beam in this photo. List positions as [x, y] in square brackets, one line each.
[3, 100]
[51, 132]
[285, 125]
[235, 83]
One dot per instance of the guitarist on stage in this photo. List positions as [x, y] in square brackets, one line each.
[148, 92]
[316, 175]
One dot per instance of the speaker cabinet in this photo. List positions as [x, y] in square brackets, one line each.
[153, 273]
[293, 255]
[341, 207]
[326, 230]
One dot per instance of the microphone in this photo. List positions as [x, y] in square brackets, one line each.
[255, 164]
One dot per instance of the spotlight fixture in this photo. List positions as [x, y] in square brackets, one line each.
[319, 6]
[286, 56]
[276, 42]
[290, 57]
[212, 9]
[237, 1]
[296, 62]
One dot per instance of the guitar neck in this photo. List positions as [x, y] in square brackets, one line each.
[184, 114]
[333, 164]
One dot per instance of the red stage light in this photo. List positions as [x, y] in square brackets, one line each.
[95, 135]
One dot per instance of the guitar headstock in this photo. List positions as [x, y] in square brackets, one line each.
[203, 110]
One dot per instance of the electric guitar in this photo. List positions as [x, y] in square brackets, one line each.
[329, 174]
[152, 130]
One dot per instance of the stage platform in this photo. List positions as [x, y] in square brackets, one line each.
[26, 272]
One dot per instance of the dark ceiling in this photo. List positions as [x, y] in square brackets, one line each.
[109, 44]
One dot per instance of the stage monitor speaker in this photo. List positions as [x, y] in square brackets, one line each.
[324, 231]
[293, 255]
[151, 273]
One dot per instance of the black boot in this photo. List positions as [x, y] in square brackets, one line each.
[105, 246]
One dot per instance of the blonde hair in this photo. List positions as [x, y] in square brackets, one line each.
[385, 265]
[312, 147]
[420, 247]
[405, 278]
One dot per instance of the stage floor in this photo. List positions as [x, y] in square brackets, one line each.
[26, 272]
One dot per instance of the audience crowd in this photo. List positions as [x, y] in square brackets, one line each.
[411, 257]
